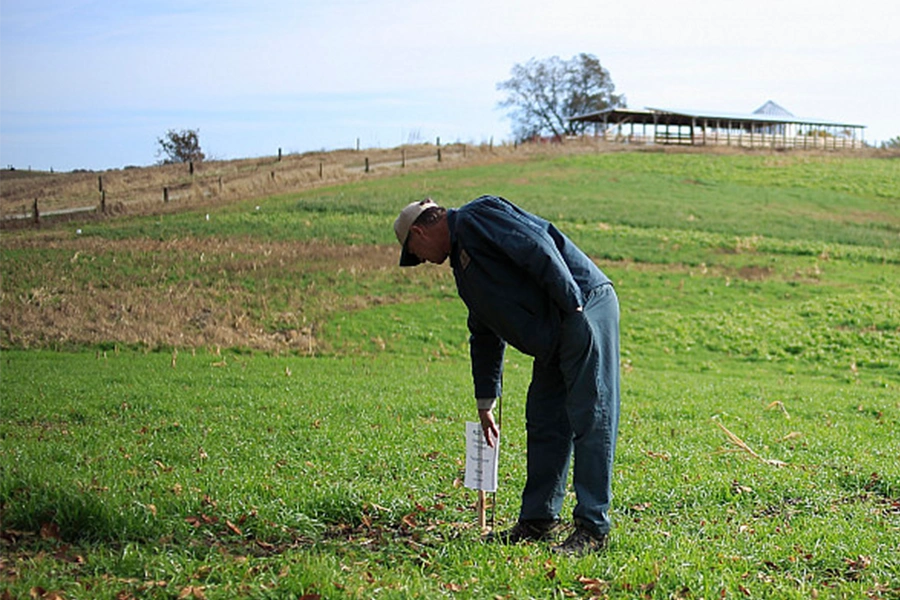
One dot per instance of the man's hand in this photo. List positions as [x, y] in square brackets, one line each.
[489, 427]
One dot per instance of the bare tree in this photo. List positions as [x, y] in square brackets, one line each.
[180, 147]
[543, 95]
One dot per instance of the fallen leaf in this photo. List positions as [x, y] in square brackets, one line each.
[856, 566]
[593, 585]
[192, 591]
[39, 593]
[409, 521]
[234, 528]
[49, 531]
[152, 584]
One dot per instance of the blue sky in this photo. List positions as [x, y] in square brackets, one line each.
[93, 84]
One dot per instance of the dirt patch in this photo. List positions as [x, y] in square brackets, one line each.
[181, 293]
[755, 273]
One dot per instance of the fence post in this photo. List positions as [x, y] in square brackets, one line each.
[166, 195]
[321, 170]
[100, 183]
[37, 213]
[367, 164]
[403, 158]
[220, 184]
[439, 154]
[279, 155]
[191, 167]
[103, 202]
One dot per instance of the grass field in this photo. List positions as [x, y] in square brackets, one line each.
[253, 401]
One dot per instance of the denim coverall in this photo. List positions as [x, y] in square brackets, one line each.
[523, 282]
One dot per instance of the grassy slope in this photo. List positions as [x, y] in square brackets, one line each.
[337, 472]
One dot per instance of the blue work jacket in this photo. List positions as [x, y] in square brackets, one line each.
[519, 276]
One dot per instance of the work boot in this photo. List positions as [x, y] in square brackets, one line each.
[582, 541]
[544, 530]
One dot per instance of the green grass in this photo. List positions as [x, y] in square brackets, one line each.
[147, 470]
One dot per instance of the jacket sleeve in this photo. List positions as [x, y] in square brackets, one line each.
[487, 350]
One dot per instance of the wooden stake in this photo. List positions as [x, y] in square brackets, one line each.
[482, 512]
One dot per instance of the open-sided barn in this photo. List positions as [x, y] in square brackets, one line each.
[768, 126]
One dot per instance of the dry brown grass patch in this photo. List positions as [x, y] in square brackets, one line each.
[185, 293]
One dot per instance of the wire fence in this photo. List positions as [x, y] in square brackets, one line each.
[31, 197]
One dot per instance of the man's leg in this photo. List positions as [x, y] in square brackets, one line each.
[549, 445]
[589, 358]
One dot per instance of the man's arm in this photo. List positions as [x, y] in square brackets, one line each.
[486, 349]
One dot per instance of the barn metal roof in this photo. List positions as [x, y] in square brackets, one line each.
[652, 115]
[771, 108]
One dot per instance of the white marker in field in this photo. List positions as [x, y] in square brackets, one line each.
[481, 466]
[481, 460]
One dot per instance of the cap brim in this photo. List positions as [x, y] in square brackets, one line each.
[408, 259]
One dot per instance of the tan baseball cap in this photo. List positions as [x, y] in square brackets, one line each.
[407, 217]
